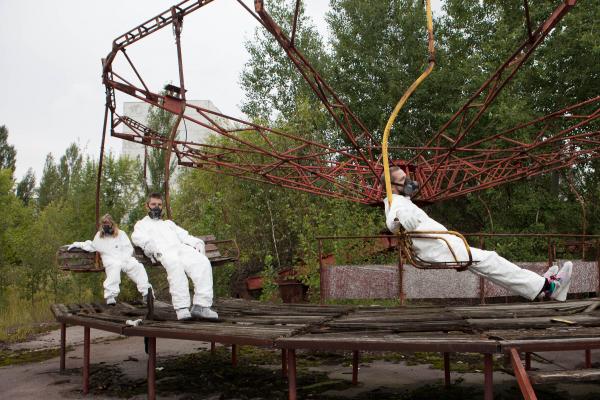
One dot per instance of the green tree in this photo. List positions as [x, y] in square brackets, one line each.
[161, 121]
[8, 154]
[16, 221]
[51, 187]
[26, 187]
[271, 82]
[69, 166]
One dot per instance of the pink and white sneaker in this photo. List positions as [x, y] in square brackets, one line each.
[562, 282]
[553, 270]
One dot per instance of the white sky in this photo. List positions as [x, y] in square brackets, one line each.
[50, 72]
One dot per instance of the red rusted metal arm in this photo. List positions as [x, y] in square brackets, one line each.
[354, 129]
[348, 166]
[463, 121]
[521, 375]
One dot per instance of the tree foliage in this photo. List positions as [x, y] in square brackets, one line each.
[374, 51]
[26, 187]
[162, 122]
[8, 154]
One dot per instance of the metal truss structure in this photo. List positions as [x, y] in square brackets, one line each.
[347, 164]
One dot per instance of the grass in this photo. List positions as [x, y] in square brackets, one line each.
[19, 319]
[28, 356]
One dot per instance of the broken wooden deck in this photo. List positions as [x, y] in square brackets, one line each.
[486, 329]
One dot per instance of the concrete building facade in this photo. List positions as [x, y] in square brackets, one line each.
[138, 110]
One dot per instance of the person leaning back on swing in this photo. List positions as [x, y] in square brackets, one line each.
[403, 213]
[180, 253]
[116, 251]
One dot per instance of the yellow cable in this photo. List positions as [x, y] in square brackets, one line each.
[405, 96]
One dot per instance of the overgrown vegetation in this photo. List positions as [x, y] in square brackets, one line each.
[374, 52]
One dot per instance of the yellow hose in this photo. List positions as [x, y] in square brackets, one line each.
[405, 96]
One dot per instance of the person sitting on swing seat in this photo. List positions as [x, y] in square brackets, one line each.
[180, 253]
[116, 252]
[403, 213]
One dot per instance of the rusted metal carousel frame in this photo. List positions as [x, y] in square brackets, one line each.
[302, 339]
[495, 84]
[175, 17]
[514, 347]
[490, 89]
[352, 172]
[288, 348]
[189, 155]
[348, 123]
[489, 168]
[151, 335]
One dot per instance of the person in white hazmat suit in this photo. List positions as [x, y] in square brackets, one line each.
[116, 252]
[488, 264]
[181, 254]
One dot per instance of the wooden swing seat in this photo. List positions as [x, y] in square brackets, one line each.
[219, 252]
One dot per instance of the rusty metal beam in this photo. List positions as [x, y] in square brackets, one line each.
[521, 375]
[448, 165]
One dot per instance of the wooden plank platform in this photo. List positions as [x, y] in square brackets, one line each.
[484, 329]
[576, 375]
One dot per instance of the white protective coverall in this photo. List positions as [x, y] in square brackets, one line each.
[117, 256]
[180, 253]
[489, 264]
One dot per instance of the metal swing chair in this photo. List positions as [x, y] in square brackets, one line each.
[405, 244]
[405, 238]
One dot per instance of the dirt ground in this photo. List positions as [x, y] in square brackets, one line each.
[187, 370]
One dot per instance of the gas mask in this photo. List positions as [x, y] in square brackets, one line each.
[155, 213]
[107, 229]
[409, 187]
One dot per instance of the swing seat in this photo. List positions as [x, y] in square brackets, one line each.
[219, 252]
[406, 246]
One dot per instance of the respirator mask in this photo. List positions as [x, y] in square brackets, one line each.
[155, 213]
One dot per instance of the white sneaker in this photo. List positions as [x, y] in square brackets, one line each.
[562, 281]
[553, 270]
[183, 314]
[111, 301]
[203, 312]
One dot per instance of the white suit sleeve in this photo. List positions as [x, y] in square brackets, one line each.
[409, 217]
[87, 246]
[141, 238]
[188, 239]
[389, 218]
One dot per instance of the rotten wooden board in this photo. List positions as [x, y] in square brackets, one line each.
[579, 375]
[492, 328]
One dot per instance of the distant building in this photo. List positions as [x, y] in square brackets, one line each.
[138, 110]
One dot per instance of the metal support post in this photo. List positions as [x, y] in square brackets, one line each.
[447, 381]
[86, 360]
[151, 368]
[355, 367]
[488, 377]
[63, 346]
[291, 374]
